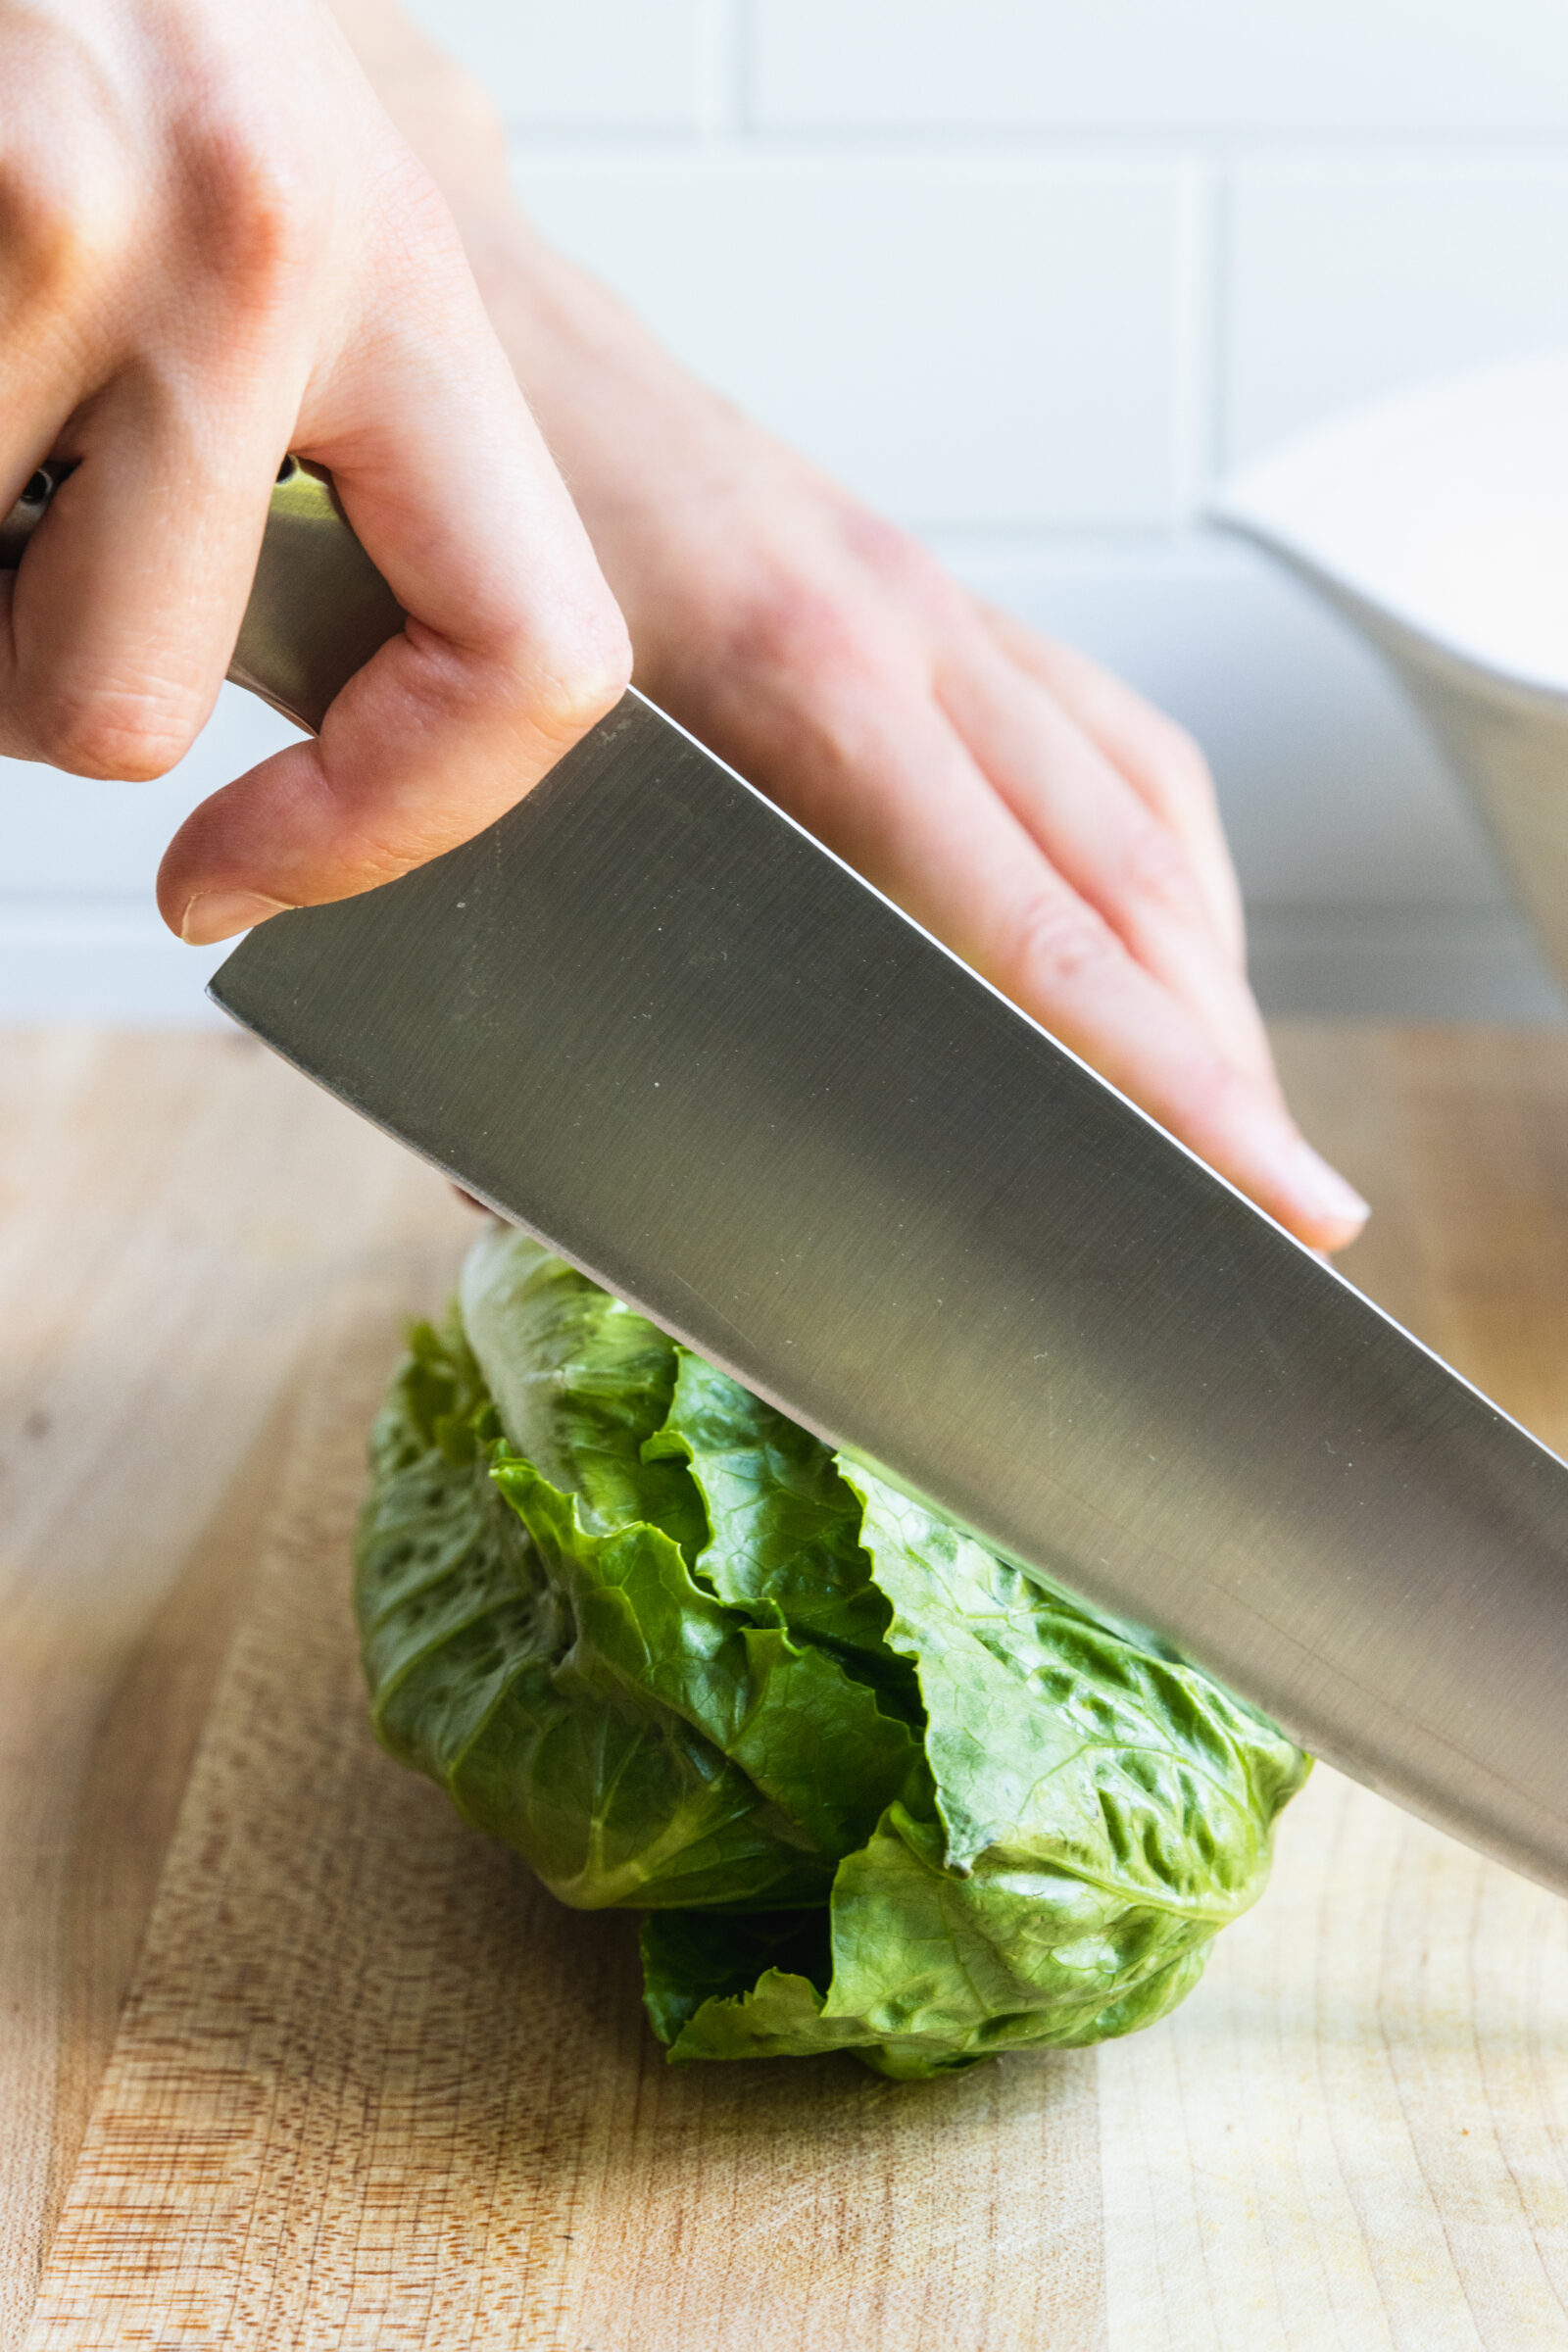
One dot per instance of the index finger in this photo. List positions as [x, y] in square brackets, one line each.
[884, 777]
[1158, 758]
[513, 645]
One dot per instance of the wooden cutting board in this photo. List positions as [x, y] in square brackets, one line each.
[290, 2058]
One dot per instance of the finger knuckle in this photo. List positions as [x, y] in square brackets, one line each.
[576, 679]
[795, 625]
[1157, 874]
[58, 222]
[898, 562]
[1062, 944]
[804, 679]
[807, 644]
[254, 207]
[124, 737]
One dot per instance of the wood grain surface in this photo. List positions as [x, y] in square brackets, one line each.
[288, 2057]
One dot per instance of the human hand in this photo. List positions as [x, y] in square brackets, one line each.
[1027, 808]
[215, 249]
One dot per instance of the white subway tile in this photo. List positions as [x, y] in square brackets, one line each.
[1346, 282]
[967, 344]
[1159, 65]
[64, 836]
[569, 65]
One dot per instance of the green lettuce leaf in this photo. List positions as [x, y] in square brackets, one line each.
[470, 1652]
[783, 1536]
[923, 1970]
[580, 1384]
[812, 1743]
[876, 1789]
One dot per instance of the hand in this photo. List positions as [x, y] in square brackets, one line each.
[213, 249]
[1028, 809]
[1024, 806]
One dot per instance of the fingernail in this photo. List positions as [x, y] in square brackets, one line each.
[214, 915]
[1322, 1190]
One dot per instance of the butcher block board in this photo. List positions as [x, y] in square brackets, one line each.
[289, 2057]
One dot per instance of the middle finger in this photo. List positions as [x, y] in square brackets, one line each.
[1101, 837]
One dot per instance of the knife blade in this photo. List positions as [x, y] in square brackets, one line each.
[650, 1018]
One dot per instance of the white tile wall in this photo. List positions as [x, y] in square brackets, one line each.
[1127, 65]
[968, 343]
[64, 836]
[1347, 281]
[582, 65]
[1027, 271]
[81, 937]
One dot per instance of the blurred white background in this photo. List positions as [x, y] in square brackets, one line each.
[1030, 274]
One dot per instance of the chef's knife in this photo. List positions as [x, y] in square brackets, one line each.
[651, 1019]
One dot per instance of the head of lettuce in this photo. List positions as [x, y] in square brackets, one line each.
[873, 1788]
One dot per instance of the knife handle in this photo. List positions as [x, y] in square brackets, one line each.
[317, 610]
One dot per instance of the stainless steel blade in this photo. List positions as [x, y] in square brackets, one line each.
[650, 1018]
